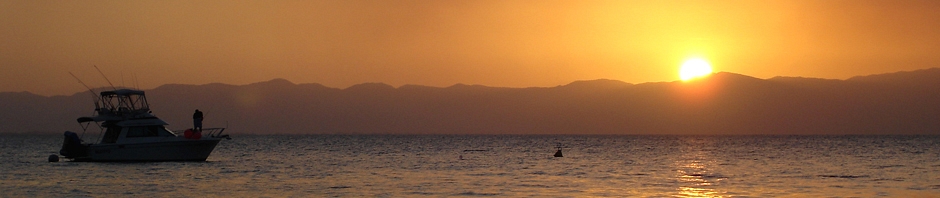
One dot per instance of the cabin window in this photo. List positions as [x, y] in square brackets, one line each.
[149, 131]
[166, 132]
[111, 135]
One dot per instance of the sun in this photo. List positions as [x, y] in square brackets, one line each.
[694, 68]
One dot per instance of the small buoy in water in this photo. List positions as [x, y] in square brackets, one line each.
[53, 158]
[558, 153]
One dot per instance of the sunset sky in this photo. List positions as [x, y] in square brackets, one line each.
[507, 43]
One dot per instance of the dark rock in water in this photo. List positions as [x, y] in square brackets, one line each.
[53, 158]
[558, 154]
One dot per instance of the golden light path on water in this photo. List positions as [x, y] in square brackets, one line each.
[693, 171]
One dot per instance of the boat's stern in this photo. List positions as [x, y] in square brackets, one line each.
[72, 147]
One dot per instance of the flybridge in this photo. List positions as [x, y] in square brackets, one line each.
[120, 104]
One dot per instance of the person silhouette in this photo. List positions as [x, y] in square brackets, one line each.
[197, 120]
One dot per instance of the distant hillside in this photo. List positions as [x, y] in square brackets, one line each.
[724, 103]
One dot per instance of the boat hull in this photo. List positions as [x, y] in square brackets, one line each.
[181, 150]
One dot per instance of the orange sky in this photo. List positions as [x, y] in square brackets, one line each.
[439, 43]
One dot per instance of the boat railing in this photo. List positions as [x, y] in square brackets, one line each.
[213, 132]
[208, 132]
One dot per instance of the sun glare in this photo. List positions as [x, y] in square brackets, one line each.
[694, 68]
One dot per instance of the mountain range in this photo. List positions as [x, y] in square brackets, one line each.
[722, 103]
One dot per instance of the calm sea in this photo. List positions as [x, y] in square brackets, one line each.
[500, 166]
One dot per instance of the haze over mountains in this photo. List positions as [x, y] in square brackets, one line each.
[724, 103]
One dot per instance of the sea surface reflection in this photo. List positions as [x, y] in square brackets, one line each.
[505, 166]
[695, 170]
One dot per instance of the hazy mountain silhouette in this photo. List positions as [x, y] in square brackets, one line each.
[724, 103]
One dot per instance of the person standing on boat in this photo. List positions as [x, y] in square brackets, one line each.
[197, 120]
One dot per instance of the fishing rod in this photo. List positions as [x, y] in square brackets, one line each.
[94, 96]
[105, 78]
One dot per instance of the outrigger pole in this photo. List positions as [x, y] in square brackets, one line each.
[94, 98]
[105, 78]
[93, 95]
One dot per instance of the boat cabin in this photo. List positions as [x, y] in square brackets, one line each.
[125, 115]
[135, 131]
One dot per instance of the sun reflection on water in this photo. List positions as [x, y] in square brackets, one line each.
[694, 172]
[697, 192]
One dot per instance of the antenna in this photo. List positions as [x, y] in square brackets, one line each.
[105, 78]
[136, 86]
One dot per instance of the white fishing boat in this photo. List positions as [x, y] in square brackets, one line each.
[131, 133]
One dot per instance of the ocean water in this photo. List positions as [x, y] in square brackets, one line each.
[497, 166]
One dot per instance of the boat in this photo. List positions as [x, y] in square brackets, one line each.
[132, 133]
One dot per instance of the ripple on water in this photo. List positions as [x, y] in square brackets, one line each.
[471, 193]
[402, 166]
[843, 176]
